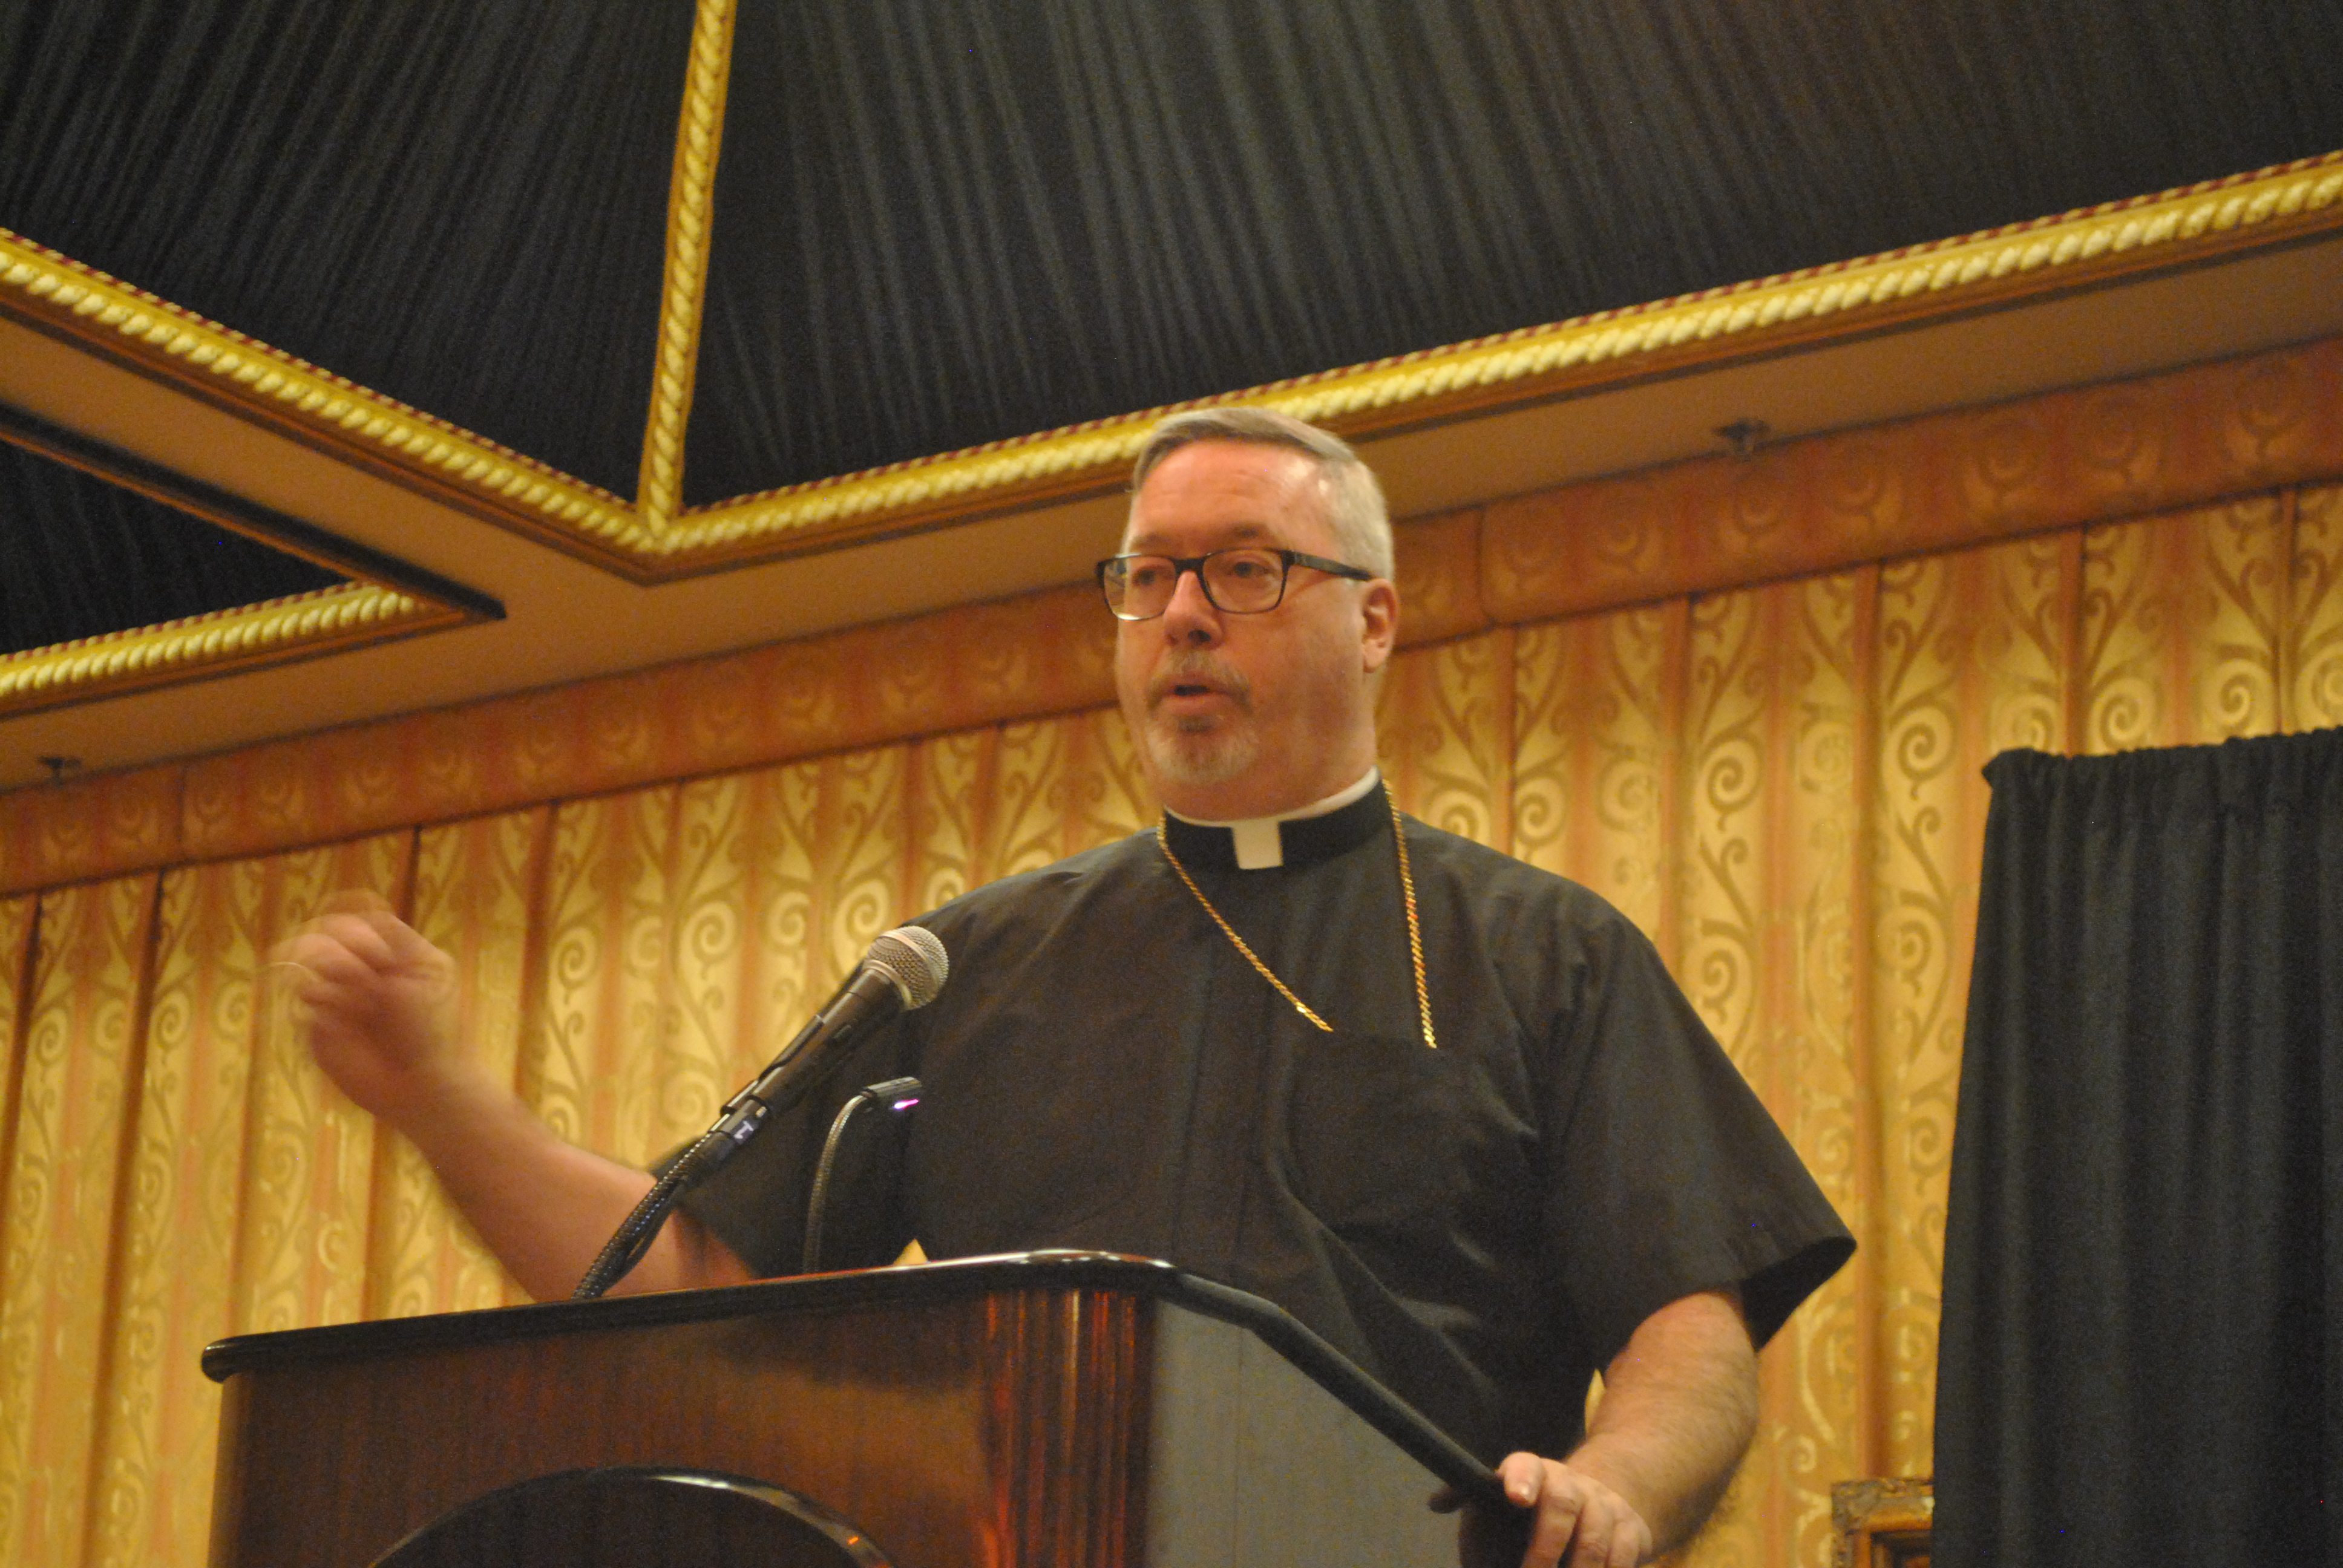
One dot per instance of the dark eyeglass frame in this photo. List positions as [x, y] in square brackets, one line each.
[1183, 564]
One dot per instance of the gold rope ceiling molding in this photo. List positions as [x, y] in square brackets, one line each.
[53, 293]
[303, 625]
[691, 214]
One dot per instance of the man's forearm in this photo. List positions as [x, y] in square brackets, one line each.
[1679, 1406]
[545, 1207]
[378, 1010]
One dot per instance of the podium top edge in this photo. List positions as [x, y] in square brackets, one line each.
[930, 1282]
[952, 1280]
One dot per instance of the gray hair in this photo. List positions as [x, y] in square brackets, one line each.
[1355, 510]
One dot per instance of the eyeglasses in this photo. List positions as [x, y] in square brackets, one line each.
[1239, 582]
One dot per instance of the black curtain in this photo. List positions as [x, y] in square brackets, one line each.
[2140, 1359]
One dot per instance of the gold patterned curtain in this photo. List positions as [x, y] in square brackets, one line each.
[1780, 783]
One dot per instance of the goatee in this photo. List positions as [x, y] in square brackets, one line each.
[1202, 749]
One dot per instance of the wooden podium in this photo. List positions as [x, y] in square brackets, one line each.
[1052, 1409]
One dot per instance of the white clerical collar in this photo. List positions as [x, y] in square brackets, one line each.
[1258, 842]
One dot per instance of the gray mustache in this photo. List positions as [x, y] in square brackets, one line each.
[1208, 668]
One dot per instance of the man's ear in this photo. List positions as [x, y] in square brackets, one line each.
[1379, 614]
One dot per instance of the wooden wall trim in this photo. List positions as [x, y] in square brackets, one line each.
[1940, 482]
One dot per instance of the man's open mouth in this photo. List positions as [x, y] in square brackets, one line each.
[1192, 680]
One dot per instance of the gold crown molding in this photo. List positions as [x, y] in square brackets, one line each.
[54, 294]
[2171, 231]
[2175, 230]
[692, 199]
[326, 620]
[2205, 439]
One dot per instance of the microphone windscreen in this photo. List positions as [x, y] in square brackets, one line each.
[912, 960]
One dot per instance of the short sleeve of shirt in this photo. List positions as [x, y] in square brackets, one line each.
[1666, 1175]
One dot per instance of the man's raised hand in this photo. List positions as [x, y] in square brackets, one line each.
[378, 1006]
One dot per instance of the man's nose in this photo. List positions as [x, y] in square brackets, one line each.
[1191, 617]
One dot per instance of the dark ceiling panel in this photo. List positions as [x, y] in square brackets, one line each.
[939, 226]
[458, 203]
[81, 557]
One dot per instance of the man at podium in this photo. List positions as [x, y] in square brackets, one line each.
[1447, 1109]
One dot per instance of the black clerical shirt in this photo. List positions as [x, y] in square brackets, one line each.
[1480, 1226]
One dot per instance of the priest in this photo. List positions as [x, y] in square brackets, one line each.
[1446, 1108]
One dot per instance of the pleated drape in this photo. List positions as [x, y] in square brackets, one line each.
[1782, 784]
[2142, 1335]
[940, 226]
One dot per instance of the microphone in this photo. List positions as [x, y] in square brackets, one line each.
[904, 968]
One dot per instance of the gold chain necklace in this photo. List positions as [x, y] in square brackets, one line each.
[1415, 933]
